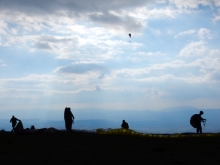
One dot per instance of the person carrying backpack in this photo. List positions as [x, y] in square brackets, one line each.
[196, 120]
[68, 117]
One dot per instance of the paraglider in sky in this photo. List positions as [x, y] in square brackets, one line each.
[129, 36]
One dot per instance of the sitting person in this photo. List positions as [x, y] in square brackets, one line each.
[124, 124]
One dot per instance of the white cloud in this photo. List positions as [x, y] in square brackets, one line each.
[190, 3]
[204, 33]
[188, 32]
[33, 17]
[193, 49]
[217, 3]
[144, 13]
[150, 54]
[216, 16]
[215, 52]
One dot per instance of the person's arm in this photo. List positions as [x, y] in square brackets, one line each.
[72, 115]
[203, 119]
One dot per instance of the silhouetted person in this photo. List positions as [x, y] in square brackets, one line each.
[68, 117]
[124, 124]
[196, 121]
[19, 127]
[14, 122]
[32, 127]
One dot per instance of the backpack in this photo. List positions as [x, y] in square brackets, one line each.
[195, 120]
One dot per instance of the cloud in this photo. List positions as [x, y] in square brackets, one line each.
[193, 49]
[81, 68]
[204, 33]
[54, 42]
[70, 12]
[116, 22]
[216, 16]
[150, 54]
[58, 39]
[43, 7]
[43, 45]
[215, 52]
[217, 3]
[188, 32]
[193, 4]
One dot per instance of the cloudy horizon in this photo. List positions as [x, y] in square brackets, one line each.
[78, 54]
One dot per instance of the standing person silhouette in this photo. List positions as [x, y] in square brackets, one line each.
[68, 117]
[199, 119]
[196, 120]
[14, 122]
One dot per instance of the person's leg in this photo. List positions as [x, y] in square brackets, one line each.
[13, 127]
[70, 126]
[66, 125]
[200, 129]
[197, 130]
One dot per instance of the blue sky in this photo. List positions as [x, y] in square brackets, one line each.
[60, 53]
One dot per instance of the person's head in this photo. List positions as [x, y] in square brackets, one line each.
[123, 121]
[201, 112]
[13, 116]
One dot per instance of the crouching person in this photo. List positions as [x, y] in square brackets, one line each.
[19, 128]
[14, 122]
[125, 124]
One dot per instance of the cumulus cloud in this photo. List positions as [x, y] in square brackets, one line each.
[204, 33]
[95, 10]
[43, 7]
[193, 49]
[113, 21]
[215, 52]
[82, 68]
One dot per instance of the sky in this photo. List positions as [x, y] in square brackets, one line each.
[69, 53]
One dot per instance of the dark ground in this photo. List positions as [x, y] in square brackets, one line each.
[91, 148]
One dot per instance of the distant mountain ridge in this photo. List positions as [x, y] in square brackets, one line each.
[169, 120]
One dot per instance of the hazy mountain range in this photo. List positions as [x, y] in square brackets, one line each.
[170, 120]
